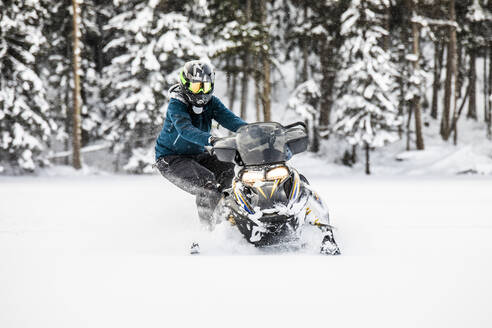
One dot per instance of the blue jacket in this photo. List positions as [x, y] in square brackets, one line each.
[185, 132]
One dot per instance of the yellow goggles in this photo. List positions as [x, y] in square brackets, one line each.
[196, 87]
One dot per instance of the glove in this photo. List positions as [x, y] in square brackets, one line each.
[212, 140]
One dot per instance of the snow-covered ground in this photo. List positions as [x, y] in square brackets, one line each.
[111, 251]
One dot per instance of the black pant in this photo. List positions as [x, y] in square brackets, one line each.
[202, 175]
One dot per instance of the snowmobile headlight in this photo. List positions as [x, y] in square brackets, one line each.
[277, 173]
[250, 177]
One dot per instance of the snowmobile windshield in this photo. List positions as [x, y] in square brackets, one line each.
[261, 143]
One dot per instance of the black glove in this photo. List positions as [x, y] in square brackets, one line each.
[212, 140]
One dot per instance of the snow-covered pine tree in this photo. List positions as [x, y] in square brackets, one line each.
[365, 108]
[313, 40]
[301, 34]
[305, 102]
[478, 27]
[235, 38]
[55, 69]
[94, 13]
[151, 40]
[219, 31]
[244, 36]
[25, 123]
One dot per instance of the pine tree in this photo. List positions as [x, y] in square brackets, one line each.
[301, 35]
[151, 41]
[365, 110]
[25, 121]
[305, 102]
[94, 14]
[236, 37]
[223, 33]
[477, 28]
[328, 49]
[55, 69]
[313, 44]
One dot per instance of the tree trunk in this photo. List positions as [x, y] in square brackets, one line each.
[327, 84]
[228, 73]
[297, 74]
[305, 50]
[257, 101]
[450, 87]
[402, 104]
[266, 89]
[305, 75]
[485, 88]
[387, 17]
[233, 89]
[368, 166]
[246, 68]
[244, 86]
[418, 123]
[402, 85]
[409, 121]
[416, 99]
[455, 71]
[266, 66]
[77, 100]
[472, 93]
[447, 94]
[66, 109]
[489, 121]
[456, 118]
[436, 84]
[257, 83]
[315, 141]
[314, 137]
[459, 63]
[354, 154]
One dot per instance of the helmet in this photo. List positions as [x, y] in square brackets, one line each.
[197, 80]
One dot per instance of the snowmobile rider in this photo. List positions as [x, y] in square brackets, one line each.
[180, 154]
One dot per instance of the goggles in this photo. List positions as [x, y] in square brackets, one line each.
[196, 87]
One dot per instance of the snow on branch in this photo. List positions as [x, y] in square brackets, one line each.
[86, 149]
[426, 21]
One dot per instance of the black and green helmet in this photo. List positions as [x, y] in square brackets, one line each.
[197, 80]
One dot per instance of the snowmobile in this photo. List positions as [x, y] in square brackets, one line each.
[270, 202]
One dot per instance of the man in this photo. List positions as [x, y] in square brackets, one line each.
[179, 149]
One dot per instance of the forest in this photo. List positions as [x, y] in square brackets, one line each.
[85, 75]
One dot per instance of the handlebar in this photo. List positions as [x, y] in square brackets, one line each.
[299, 123]
[296, 124]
